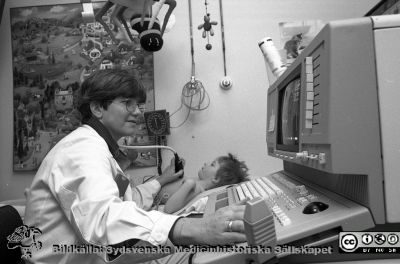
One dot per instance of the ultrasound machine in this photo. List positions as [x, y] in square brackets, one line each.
[333, 117]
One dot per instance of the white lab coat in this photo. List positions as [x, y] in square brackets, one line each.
[74, 200]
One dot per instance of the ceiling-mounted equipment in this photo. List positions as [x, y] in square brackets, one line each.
[146, 23]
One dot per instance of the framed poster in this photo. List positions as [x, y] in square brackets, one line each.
[53, 50]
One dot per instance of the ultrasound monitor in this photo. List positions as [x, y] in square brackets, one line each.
[333, 118]
[332, 136]
[289, 116]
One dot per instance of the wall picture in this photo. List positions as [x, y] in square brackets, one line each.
[53, 50]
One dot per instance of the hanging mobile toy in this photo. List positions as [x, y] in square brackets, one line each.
[207, 27]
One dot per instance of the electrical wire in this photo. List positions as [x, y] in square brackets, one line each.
[158, 147]
[222, 34]
[159, 156]
[193, 89]
[148, 147]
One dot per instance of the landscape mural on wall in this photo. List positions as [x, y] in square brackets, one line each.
[53, 51]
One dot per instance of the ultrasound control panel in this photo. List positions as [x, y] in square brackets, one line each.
[301, 211]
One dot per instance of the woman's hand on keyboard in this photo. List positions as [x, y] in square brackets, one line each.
[213, 229]
[217, 227]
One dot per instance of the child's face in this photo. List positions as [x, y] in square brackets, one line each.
[209, 170]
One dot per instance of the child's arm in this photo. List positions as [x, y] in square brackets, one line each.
[180, 197]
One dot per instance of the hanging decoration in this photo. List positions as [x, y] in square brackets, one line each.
[207, 27]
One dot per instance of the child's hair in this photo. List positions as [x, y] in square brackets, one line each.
[231, 170]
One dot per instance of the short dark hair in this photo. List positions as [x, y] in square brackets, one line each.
[231, 170]
[103, 86]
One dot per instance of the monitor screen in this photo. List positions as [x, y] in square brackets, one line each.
[289, 116]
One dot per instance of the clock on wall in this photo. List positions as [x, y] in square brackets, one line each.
[157, 122]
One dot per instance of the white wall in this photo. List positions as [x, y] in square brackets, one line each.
[236, 119]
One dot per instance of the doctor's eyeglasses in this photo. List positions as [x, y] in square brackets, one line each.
[132, 106]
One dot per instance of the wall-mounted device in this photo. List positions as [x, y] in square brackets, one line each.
[157, 123]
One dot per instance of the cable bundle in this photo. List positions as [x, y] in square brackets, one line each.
[193, 96]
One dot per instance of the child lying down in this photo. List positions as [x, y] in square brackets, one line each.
[223, 170]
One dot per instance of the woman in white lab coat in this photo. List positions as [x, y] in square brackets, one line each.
[80, 198]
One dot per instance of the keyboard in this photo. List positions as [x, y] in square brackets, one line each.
[286, 197]
[280, 199]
